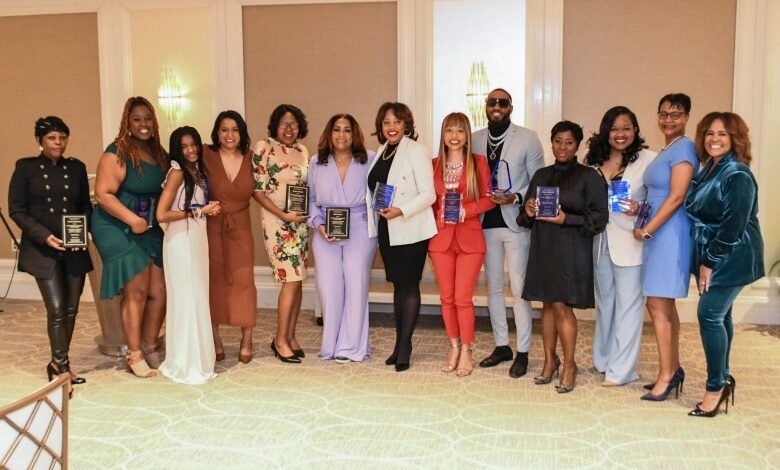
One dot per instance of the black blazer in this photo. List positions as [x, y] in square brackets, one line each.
[39, 194]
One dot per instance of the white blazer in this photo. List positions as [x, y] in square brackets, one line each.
[412, 176]
[624, 249]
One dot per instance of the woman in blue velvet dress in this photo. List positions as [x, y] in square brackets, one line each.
[667, 251]
[728, 252]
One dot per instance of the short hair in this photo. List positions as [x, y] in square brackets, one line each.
[402, 112]
[48, 124]
[503, 90]
[737, 129]
[598, 145]
[276, 118]
[567, 126]
[325, 149]
[676, 100]
[244, 143]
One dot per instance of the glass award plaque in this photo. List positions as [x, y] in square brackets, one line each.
[143, 207]
[618, 190]
[642, 215]
[547, 201]
[451, 207]
[337, 222]
[74, 231]
[297, 199]
[500, 180]
[383, 196]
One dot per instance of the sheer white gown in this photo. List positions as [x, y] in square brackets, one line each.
[189, 344]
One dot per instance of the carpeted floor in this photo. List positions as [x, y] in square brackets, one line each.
[323, 415]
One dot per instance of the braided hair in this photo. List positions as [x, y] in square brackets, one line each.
[125, 145]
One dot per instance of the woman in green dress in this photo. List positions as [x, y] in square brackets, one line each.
[128, 185]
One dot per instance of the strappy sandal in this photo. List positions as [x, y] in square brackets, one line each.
[153, 356]
[138, 366]
[451, 365]
[465, 371]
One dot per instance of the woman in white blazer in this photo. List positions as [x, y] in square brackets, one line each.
[405, 227]
[619, 153]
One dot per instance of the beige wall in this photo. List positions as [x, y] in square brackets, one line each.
[632, 52]
[180, 38]
[46, 72]
[303, 55]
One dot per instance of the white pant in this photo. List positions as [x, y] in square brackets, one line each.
[512, 247]
[619, 316]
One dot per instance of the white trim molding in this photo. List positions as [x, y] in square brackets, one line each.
[544, 66]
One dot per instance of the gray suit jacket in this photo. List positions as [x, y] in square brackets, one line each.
[523, 153]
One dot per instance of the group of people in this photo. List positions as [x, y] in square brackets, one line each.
[475, 203]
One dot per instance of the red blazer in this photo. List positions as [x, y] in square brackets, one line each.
[469, 232]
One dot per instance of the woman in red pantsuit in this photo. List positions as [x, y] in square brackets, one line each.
[458, 249]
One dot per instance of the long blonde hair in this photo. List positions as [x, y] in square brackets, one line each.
[469, 164]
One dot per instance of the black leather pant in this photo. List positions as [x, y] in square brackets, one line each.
[61, 294]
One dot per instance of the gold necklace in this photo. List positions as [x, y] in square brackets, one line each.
[391, 155]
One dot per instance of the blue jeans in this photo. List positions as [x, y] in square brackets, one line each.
[717, 330]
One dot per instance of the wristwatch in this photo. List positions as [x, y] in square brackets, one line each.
[516, 199]
[646, 236]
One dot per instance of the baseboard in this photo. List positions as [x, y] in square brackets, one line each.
[758, 303]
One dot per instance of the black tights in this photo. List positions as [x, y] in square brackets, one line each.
[61, 294]
[406, 305]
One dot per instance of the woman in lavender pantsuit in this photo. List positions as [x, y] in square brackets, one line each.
[337, 178]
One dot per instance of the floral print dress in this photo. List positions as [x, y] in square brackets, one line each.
[274, 166]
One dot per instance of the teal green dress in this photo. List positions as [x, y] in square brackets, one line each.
[124, 253]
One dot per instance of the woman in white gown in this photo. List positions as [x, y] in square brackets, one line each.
[184, 206]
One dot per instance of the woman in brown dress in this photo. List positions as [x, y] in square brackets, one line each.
[232, 293]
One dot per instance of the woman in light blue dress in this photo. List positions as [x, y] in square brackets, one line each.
[667, 236]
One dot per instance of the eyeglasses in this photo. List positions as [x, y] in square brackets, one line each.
[500, 102]
[288, 125]
[662, 115]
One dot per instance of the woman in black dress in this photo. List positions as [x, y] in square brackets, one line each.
[42, 190]
[560, 262]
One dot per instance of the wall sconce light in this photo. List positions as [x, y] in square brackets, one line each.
[477, 90]
[170, 97]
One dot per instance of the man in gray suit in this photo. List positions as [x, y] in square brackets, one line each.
[521, 150]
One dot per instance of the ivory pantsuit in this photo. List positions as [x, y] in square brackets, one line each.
[507, 247]
[344, 266]
[618, 280]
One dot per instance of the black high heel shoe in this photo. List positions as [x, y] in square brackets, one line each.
[724, 397]
[679, 371]
[76, 380]
[676, 383]
[52, 372]
[392, 359]
[288, 359]
[299, 353]
[542, 380]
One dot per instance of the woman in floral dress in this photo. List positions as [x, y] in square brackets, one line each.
[278, 161]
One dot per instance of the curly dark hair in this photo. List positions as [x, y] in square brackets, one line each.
[598, 145]
[276, 117]
[244, 143]
[402, 112]
[324, 148]
[567, 126]
[676, 100]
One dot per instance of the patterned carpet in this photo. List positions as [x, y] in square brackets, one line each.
[320, 414]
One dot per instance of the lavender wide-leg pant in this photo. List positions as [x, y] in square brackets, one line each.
[343, 275]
